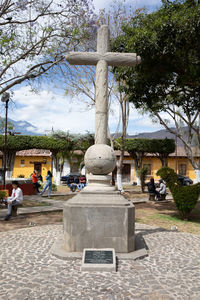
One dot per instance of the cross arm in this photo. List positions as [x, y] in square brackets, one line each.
[83, 58]
[122, 59]
[112, 58]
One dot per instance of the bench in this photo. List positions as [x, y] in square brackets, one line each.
[14, 210]
[152, 196]
[162, 197]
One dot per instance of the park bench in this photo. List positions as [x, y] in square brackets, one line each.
[162, 197]
[14, 210]
[152, 196]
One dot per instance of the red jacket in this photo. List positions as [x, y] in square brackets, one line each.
[34, 178]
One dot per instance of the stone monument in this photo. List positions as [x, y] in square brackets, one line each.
[99, 217]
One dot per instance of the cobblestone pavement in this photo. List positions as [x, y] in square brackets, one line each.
[29, 271]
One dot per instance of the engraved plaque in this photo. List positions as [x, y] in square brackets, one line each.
[99, 260]
[98, 257]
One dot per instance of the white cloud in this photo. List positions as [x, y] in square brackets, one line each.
[48, 109]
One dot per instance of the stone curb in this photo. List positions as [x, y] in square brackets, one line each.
[141, 251]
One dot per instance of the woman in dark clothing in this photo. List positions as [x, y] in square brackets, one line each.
[151, 186]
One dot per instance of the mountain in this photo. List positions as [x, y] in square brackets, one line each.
[24, 127]
[160, 134]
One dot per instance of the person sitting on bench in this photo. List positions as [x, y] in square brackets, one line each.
[151, 187]
[15, 199]
[161, 192]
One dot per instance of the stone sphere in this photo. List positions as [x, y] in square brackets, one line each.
[100, 159]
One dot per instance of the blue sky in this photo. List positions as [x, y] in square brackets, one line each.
[51, 108]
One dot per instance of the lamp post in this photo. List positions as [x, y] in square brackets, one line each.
[5, 98]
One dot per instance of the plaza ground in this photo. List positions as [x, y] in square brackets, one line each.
[30, 272]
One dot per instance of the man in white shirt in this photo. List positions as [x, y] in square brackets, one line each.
[15, 199]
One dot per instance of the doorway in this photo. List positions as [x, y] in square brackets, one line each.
[38, 167]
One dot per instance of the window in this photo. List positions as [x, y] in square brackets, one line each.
[149, 168]
[22, 162]
[182, 169]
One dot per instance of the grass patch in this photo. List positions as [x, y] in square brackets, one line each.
[64, 198]
[167, 221]
[28, 203]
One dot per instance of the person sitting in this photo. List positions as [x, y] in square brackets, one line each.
[161, 192]
[71, 184]
[76, 185]
[15, 199]
[82, 183]
[151, 186]
[151, 189]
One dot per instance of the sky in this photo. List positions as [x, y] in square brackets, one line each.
[51, 108]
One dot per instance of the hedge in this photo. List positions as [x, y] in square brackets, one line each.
[24, 142]
[185, 197]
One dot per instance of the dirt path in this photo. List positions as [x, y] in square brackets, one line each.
[23, 221]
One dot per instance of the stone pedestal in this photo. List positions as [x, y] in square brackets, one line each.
[98, 220]
[98, 184]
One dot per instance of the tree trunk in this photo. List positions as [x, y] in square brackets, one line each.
[119, 182]
[138, 180]
[58, 182]
[197, 173]
[56, 171]
[124, 104]
[10, 161]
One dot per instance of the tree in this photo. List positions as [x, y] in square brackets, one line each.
[167, 80]
[143, 174]
[17, 143]
[36, 34]
[139, 148]
[79, 145]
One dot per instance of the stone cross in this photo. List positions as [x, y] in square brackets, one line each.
[102, 59]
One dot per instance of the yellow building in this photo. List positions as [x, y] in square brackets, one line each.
[177, 161]
[36, 159]
[26, 161]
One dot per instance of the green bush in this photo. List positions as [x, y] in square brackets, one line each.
[143, 174]
[54, 187]
[185, 197]
[2, 195]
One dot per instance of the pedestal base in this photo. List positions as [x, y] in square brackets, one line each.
[98, 220]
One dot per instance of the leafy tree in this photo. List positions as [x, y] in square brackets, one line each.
[167, 80]
[79, 144]
[17, 143]
[36, 34]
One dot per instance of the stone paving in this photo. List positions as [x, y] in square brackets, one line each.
[29, 271]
